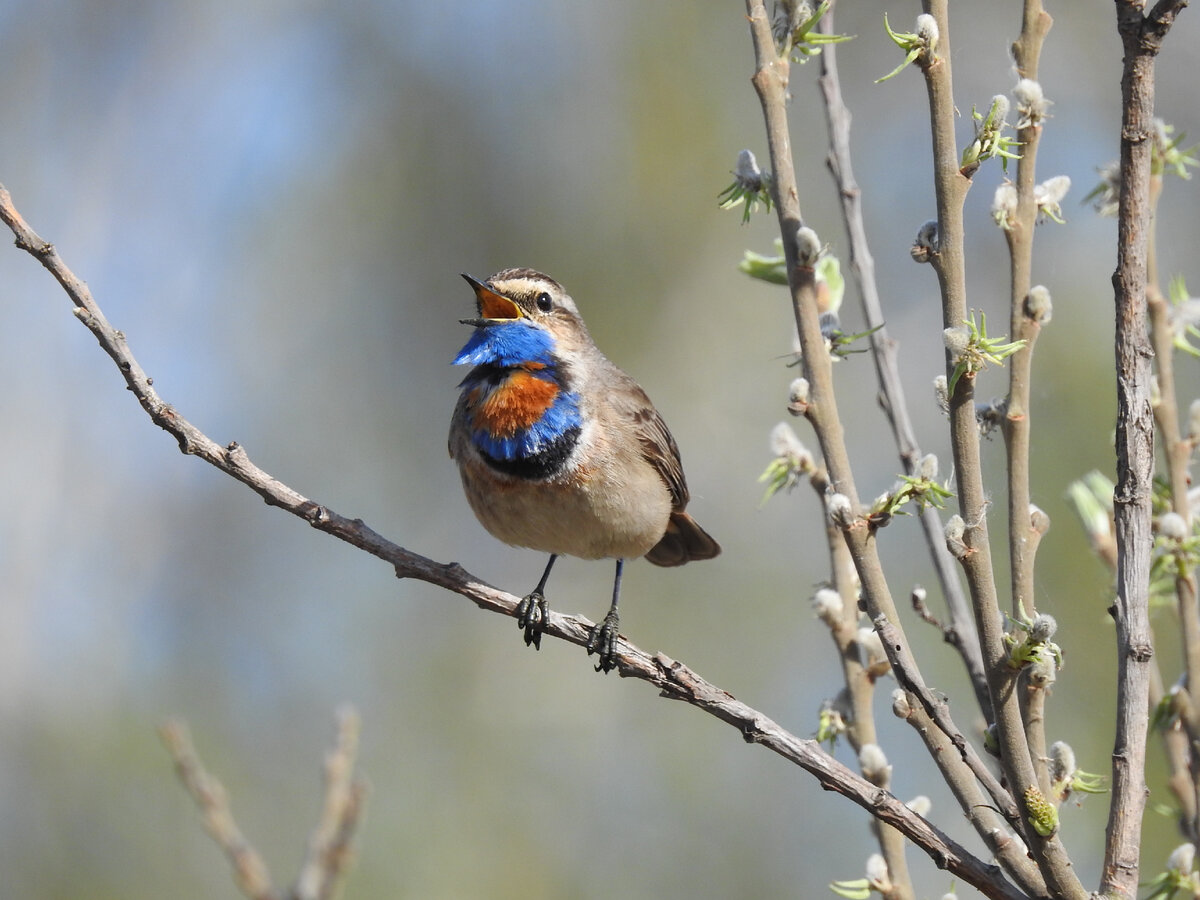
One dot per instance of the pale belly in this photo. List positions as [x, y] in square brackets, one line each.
[591, 515]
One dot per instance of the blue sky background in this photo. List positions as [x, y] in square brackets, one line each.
[274, 202]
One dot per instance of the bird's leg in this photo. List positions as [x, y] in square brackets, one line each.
[533, 609]
[603, 638]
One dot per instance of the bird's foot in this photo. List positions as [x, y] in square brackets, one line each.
[603, 641]
[532, 613]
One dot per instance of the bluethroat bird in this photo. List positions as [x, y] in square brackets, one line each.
[561, 451]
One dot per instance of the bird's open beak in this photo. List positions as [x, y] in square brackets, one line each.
[492, 306]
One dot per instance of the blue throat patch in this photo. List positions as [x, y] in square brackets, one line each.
[540, 449]
[507, 344]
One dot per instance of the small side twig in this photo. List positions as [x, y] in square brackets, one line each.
[329, 847]
[949, 262]
[249, 871]
[884, 354]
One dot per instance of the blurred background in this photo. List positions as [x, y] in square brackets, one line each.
[274, 201]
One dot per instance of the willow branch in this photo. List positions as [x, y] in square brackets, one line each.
[1019, 234]
[951, 187]
[1008, 848]
[673, 680]
[1141, 38]
[1026, 325]
[770, 80]
[859, 679]
[961, 632]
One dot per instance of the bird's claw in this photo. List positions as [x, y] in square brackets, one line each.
[603, 641]
[532, 613]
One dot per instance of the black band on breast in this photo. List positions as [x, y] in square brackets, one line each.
[544, 464]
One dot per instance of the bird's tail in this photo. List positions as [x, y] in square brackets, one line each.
[683, 542]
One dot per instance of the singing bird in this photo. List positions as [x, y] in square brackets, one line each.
[561, 451]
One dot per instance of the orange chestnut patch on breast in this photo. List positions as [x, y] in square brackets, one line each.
[515, 404]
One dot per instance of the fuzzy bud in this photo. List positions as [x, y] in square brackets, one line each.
[1052, 190]
[786, 443]
[926, 242]
[1049, 196]
[808, 245]
[956, 339]
[901, 708]
[921, 805]
[827, 604]
[1043, 628]
[877, 873]
[1062, 761]
[746, 170]
[874, 765]
[999, 109]
[927, 468]
[1038, 305]
[1042, 672]
[941, 394]
[1027, 91]
[1031, 102]
[840, 511]
[927, 31]
[798, 397]
[954, 531]
[1182, 859]
[1004, 205]
[1172, 526]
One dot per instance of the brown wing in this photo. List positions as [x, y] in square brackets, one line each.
[658, 447]
[684, 539]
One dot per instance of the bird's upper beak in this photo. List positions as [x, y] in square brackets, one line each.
[492, 306]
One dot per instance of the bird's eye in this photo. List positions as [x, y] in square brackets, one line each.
[544, 303]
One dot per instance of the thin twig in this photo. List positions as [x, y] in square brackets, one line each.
[1017, 423]
[329, 847]
[883, 352]
[949, 262]
[249, 871]
[859, 684]
[1019, 235]
[673, 679]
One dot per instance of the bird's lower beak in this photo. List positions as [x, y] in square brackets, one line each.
[492, 306]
